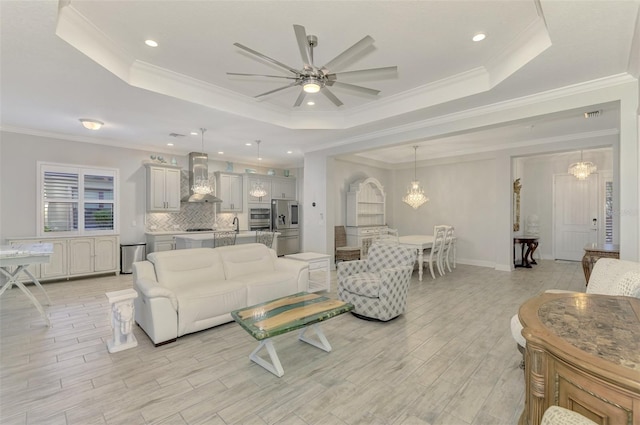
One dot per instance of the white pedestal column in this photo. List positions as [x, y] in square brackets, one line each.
[122, 319]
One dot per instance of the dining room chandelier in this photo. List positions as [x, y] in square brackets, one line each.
[583, 169]
[257, 187]
[201, 184]
[415, 194]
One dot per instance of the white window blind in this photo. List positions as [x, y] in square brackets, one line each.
[77, 200]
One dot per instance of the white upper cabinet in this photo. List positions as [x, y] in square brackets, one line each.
[163, 188]
[229, 189]
[283, 188]
[366, 203]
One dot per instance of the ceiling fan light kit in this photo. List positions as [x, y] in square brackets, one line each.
[315, 79]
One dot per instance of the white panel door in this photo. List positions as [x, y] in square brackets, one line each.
[575, 215]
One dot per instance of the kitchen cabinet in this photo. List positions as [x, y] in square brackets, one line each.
[158, 243]
[229, 189]
[283, 188]
[163, 188]
[76, 256]
[266, 184]
[93, 255]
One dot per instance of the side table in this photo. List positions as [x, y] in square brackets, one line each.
[593, 252]
[319, 271]
[531, 242]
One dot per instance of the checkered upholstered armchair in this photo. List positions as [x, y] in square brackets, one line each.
[378, 286]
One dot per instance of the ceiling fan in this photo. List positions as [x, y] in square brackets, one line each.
[315, 79]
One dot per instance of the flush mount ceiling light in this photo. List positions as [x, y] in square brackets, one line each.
[415, 194]
[583, 169]
[91, 124]
[257, 188]
[201, 184]
[479, 37]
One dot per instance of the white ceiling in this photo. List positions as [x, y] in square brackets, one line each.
[62, 62]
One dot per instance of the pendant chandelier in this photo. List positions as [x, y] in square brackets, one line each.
[257, 188]
[201, 184]
[581, 170]
[415, 194]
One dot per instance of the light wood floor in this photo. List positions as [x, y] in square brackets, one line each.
[449, 360]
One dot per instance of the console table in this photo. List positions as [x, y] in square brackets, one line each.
[531, 242]
[583, 354]
[593, 252]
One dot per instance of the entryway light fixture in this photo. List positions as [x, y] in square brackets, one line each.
[91, 124]
[257, 188]
[201, 184]
[415, 194]
[581, 170]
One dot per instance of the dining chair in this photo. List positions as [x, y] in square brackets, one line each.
[224, 238]
[435, 253]
[265, 238]
[449, 248]
[342, 251]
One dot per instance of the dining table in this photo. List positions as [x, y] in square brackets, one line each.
[15, 260]
[419, 243]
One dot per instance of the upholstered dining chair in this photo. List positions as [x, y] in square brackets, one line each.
[435, 253]
[224, 238]
[342, 251]
[378, 286]
[610, 276]
[265, 238]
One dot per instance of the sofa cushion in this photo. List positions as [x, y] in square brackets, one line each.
[267, 286]
[365, 284]
[200, 301]
[185, 267]
[247, 259]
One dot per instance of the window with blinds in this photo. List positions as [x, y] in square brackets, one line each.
[77, 200]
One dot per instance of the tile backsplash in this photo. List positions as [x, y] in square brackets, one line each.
[191, 215]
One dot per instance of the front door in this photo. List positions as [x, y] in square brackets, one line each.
[576, 215]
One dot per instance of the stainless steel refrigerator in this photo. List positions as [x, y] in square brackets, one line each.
[285, 219]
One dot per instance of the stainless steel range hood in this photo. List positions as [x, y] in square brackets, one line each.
[198, 166]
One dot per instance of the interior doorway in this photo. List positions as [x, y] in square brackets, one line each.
[576, 215]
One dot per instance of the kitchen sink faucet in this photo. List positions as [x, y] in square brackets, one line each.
[236, 223]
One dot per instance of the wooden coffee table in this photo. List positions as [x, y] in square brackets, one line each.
[298, 311]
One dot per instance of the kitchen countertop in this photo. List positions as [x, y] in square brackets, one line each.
[199, 236]
[182, 232]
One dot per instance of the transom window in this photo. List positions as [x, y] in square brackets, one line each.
[76, 200]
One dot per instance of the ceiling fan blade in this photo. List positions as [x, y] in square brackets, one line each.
[278, 89]
[300, 98]
[349, 53]
[267, 58]
[353, 87]
[371, 72]
[260, 75]
[303, 45]
[325, 91]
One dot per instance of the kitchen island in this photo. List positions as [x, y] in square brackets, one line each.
[205, 239]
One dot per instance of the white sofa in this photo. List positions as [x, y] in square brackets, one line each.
[188, 290]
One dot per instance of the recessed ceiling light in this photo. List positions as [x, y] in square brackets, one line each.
[248, 144]
[220, 153]
[194, 133]
[169, 144]
[479, 37]
[311, 103]
[289, 152]
[151, 43]
[91, 124]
